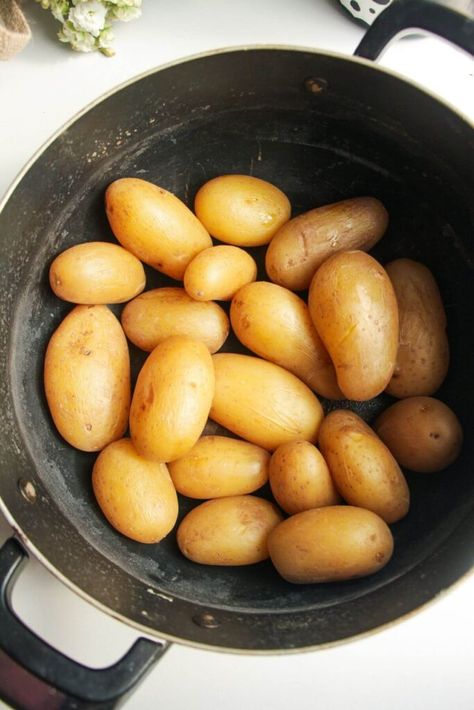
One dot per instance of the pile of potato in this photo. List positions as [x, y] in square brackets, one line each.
[365, 329]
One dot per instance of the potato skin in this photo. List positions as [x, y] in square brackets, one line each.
[422, 433]
[164, 312]
[241, 209]
[219, 466]
[353, 306]
[229, 531]
[154, 225]
[362, 467]
[172, 399]
[423, 353]
[136, 496]
[87, 378]
[330, 544]
[96, 273]
[263, 403]
[301, 245]
[217, 273]
[300, 479]
[275, 324]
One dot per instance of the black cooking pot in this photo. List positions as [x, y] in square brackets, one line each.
[322, 127]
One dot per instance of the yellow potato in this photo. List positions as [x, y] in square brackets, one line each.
[362, 467]
[172, 398]
[422, 433]
[423, 353]
[218, 272]
[219, 466]
[163, 312]
[275, 324]
[154, 225]
[228, 531]
[263, 403]
[241, 209]
[136, 496]
[87, 378]
[330, 545]
[353, 306]
[96, 273]
[300, 479]
[300, 247]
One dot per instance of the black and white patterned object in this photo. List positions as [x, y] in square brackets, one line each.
[365, 10]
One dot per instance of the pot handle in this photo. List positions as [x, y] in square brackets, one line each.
[34, 675]
[427, 15]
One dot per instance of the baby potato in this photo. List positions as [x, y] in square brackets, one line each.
[154, 225]
[164, 312]
[263, 403]
[87, 378]
[354, 308]
[422, 433]
[241, 209]
[96, 273]
[172, 399]
[301, 245]
[275, 324]
[136, 496]
[300, 479]
[330, 544]
[362, 467]
[423, 352]
[228, 531]
[219, 466]
[218, 272]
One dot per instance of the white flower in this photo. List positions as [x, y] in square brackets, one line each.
[80, 41]
[88, 17]
[124, 13]
[106, 38]
[125, 3]
[104, 42]
[86, 24]
[60, 9]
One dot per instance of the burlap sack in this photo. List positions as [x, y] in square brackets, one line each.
[14, 30]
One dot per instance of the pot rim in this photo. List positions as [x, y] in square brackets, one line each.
[208, 53]
[144, 630]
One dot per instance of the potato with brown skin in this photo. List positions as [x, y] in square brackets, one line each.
[330, 544]
[353, 306]
[229, 531]
[362, 467]
[164, 312]
[423, 352]
[301, 245]
[300, 478]
[263, 403]
[96, 273]
[136, 496]
[422, 433]
[217, 273]
[87, 378]
[241, 209]
[172, 399]
[154, 225]
[219, 466]
[275, 324]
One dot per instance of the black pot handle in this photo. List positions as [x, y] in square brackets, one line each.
[425, 15]
[34, 675]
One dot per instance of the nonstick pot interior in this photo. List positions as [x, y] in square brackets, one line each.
[350, 130]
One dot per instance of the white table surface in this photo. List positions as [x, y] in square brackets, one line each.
[424, 663]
